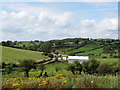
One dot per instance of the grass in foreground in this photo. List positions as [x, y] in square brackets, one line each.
[63, 81]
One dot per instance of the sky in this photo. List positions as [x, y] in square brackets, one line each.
[25, 21]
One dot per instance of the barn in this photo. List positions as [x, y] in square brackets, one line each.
[81, 59]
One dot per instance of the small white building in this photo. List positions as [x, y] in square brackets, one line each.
[64, 58]
[79, 42]
[81, 59]
[71, 43]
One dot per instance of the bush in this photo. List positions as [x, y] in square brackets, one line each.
[72, 54]
[50, 55]
[75, 67]
[91, 66]
[45, 74]
[57, 69]
[3, 64]
[42, 68]
[71, 68]
[9, 68]
[115, 68]
[104, 69]
[45, 53]
[115, 56]
[27, 65]
[78, 67]
[104, 57]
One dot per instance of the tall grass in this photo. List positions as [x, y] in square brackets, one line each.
[63, 81]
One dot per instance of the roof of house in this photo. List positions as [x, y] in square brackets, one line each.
[78, 57]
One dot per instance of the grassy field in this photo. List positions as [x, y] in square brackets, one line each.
[97, 51]
[84, 48]
[14, 55]
[62, 81]
[108, 60]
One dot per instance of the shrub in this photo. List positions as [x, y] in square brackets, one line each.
[115, 56]
[78, 67]
[104, 69]
[9, 68]
[3, 64]
[72, 54]
[71, 68]
[45, 53]
[50, 55]
[57, 69]
[115, 68]
[45, 74]
[42, 68]
[104, 57]
[91, 66]
[27, 65]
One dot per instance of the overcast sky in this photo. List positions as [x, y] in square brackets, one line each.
[58, 20]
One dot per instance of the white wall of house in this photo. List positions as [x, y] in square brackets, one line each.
[64, 58]
[81, 59]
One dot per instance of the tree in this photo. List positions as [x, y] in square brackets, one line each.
[50, 55]
[91, 66]
[104, 69]
[9, 68]
[72, 54]
[46, 47]
[71, 68]
[42, 68]
[27, 65]
[56, 59]
[115, 68]
[78, 67]
[57, 68]
[53, 50]
[76, 41]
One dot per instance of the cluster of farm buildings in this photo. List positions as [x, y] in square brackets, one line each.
[71, 59]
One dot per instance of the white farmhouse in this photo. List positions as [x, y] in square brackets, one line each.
[64, 58]
[81, 59]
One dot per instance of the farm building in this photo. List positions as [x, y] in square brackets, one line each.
[64, 58]
[81, 59]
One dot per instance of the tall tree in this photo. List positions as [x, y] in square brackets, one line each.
[42, 68]
[78, 67]
[27, 65]
[46, 47]
[91, 66]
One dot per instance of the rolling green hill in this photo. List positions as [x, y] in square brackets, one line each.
[14, 55]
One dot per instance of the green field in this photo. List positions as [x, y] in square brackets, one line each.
[14, 55]
[97, 51]
[84, 48]
[108, 60]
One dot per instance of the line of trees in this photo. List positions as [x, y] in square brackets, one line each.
[94, 67]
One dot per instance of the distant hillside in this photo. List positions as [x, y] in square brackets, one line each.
[87, 47]
[14, 55]
[78, 46]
